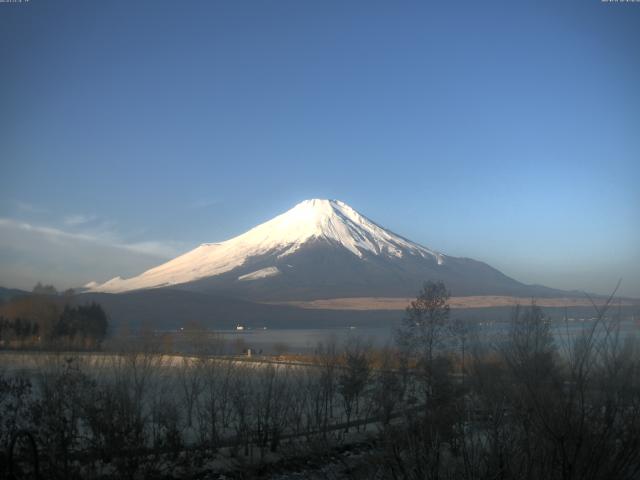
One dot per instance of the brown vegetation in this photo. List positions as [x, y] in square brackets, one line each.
[51, 321]
[478, 301]
[522, 408]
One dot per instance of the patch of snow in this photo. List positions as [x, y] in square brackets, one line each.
[262, 273]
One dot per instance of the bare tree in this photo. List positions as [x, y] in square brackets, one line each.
[354, 376]
[58, 413]
[190, 375]
[389, 385]
[327, 358]
[240, 395]
[423, 329]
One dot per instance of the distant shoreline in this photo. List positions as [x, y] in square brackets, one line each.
[478, 301]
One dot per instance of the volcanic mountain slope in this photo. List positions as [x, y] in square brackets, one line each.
[320, 249]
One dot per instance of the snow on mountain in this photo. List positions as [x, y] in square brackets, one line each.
[326, 220]
[258, 274]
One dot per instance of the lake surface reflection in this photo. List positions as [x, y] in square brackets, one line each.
[270, 341]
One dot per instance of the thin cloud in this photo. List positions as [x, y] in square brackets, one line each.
[29, 207]
[31, 253]
[79, 219]
[160, 249]
[103, 236]
[47, 231]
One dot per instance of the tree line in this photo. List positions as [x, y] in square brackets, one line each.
[44, 320]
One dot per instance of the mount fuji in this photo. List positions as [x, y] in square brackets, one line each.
[319, 249]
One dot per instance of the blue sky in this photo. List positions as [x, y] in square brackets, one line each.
[503, 131]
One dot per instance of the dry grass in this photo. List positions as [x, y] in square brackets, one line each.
[391, 303]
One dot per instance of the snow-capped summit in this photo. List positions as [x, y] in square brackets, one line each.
[318, 249]
[329, 220]
[309, 221]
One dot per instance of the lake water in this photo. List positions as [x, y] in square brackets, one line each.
[270, 341]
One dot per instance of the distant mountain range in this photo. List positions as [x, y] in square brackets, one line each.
[320, 249]
[7, 294]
